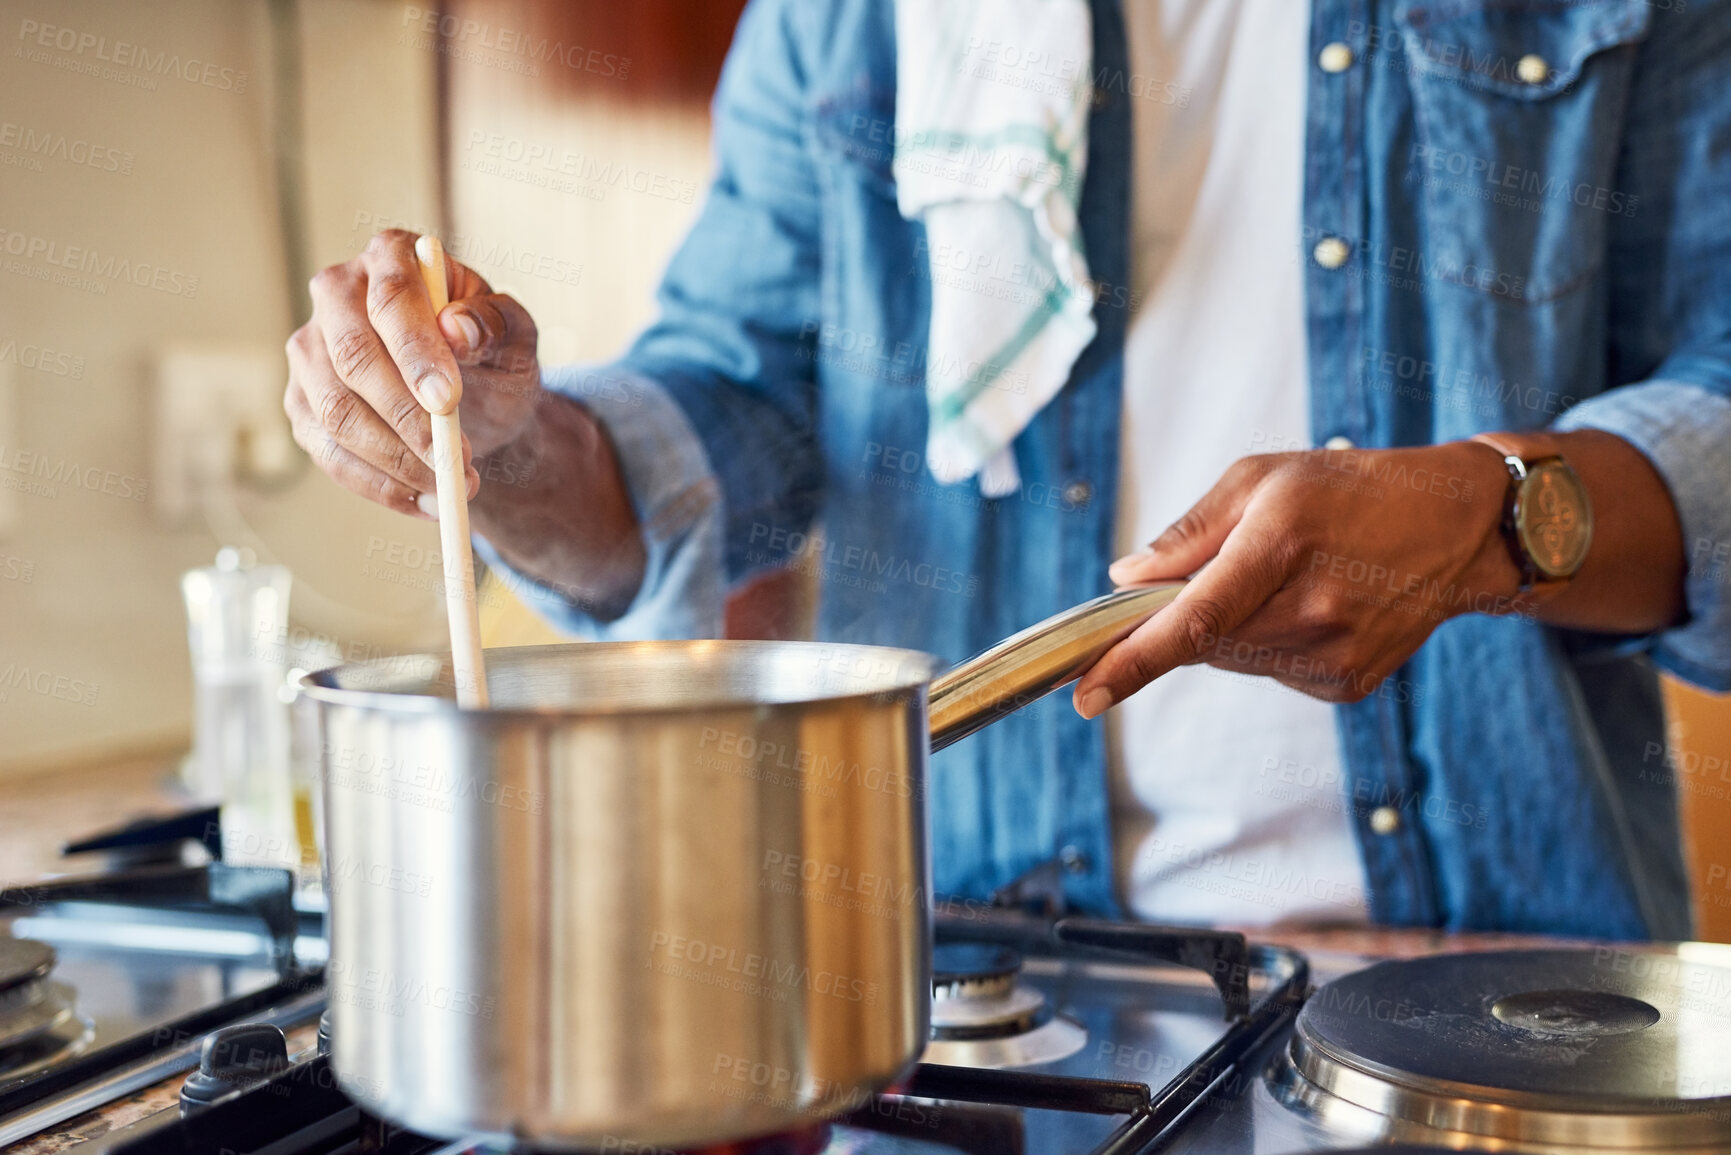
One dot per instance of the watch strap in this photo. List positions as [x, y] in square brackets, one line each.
[1520, 458]
[1499, 443]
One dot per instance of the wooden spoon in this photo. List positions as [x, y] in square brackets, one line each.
[461, 606]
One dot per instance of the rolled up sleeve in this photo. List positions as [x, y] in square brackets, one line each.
[678, 504]
[1684, 429]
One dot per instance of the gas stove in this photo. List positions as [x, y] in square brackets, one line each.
[109, 983]
[1049, 1036]
[1053, 1035]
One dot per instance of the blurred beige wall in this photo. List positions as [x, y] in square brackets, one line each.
[583, 252]
[89, 592]
[99, 608]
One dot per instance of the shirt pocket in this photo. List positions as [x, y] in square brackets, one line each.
[1517, 108]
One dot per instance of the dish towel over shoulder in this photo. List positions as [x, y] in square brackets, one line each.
[992, 102]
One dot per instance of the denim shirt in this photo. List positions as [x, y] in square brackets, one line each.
[1536, 200]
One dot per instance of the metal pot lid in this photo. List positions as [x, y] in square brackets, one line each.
[1608, 1047]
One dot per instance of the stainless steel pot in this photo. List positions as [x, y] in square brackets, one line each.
[661, 893]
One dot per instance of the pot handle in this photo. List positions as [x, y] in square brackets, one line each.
[1040, 659]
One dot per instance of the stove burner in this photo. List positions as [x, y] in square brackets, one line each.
[983, 1017]
[975, 994]
[50, 1006]
[1607, 1049]
[22, 960]
[1579, 1014]
[967, 966]
[38, 1023]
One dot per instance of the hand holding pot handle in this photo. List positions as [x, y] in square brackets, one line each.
[1040, 659]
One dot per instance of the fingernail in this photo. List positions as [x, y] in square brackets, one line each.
[1128, 564]
[469, 331]
[1095, 702]
[428, 504]
[434, 391]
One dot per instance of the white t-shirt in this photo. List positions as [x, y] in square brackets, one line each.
[1227, 802]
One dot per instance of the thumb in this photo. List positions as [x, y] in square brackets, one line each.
[480, 328]
[1191, 541]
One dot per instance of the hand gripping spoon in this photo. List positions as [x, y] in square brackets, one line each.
[460, 603]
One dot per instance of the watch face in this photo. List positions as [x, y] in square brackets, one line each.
[1553, 519]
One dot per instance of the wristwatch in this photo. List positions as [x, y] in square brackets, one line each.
[1547, 517]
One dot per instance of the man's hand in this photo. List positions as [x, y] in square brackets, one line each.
[360, 370]
[1324, 570]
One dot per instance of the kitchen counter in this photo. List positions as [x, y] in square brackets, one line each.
[47, 809]
[43, 811]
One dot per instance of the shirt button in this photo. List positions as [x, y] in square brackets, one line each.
[1336, 57]
[1331, 252]
[1385, 820]
[1532, 69]
[1337, 443]
[1073, 860]
[1078, 493]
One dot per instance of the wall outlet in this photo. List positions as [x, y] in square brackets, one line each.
[218, 418]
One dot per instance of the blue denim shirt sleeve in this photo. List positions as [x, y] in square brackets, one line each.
[1685, 431]
[678, 505]
[1669, 290]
